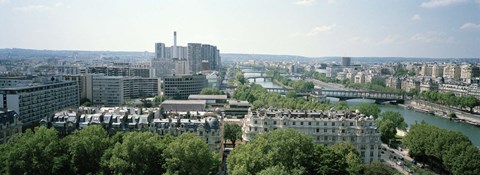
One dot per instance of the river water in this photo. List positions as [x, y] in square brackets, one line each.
[411, 117]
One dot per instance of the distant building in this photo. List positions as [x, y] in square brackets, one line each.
[393, 82]
[346, 61]
[40, 98]
[324, 127]
[111, 91]
[452, 71]
[10, 124]
[160, 50]
[181, 86]
[426, 70]
[360, 78]
[437, 71]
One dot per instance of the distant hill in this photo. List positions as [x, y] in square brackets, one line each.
[17, 53]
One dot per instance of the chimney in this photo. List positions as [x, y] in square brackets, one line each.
[175, 52]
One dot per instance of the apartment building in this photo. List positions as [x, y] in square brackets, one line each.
[324, 127]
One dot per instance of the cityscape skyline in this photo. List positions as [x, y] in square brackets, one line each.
[313, 28]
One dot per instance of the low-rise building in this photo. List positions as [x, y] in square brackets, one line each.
[211, 100]
[183, 105]
[10, 124]
[324, 127]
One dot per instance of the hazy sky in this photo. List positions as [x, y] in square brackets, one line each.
[410, 28]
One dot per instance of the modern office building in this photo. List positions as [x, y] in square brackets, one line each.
[110, 91]
[10, 124]
[40, 98]
[346, 61]
[324, 127]
[181, 86]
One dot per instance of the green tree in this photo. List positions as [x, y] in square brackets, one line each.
[287, 148]
[138, 153]
[291, 94]
[351, 155]
[388, 130]
[240, 78]
[39, 152]
[277, 170]
[211, 91]
[327, 161]
[377, 168]
[158, 100]
[396, 118]
[189, 154]
[369, 109]
[85, 149]
[232, 132]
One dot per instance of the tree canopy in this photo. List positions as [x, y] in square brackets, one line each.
[369, 109]
[290, 152]
[448, 150]
[211, 91]
[92, 151]
[232, 132]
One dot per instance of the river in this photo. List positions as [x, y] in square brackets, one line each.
[411, 117]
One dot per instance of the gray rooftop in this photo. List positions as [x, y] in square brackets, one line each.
[207, 97]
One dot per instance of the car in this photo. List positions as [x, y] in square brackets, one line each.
[400, 163]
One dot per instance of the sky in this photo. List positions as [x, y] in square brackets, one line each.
[313, 28]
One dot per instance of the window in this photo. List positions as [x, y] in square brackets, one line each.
[309, 123]
[324, 130]
[265, 123]
[371, 153]
[254, 122]
[333, 123]
[274, 122]
[333, 130]
[343, 131]
[362, 153]
[301, 123]
[371, 146]
[255, 129]
[351, 123]
[318, 130]
[325, 124]
[284, 123]
[265, 129]
[325, 138]
[293, 123]
[318, 123]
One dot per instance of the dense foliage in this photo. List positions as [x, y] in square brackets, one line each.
[369, 109]
[388, 125]
[290, 152]
[232, 132]
[403, 72]
[449, 99]
[260, 98]
[211, 91]
[297, 85]
[92, 151]
[448, 150]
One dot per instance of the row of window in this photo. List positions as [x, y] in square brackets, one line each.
[310, 123]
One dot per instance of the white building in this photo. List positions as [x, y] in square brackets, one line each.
[108, 90]
[324, 127]
[40, 98]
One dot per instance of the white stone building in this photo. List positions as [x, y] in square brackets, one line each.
[324, 127]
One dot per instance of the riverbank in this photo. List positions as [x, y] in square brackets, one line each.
[322, 84]
[443, 111]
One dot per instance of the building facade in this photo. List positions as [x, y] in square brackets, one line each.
[40, 98]
[10, 124]
[324, 127]
[181, 86]
[111, 91]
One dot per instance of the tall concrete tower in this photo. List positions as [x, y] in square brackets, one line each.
[175, 51]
